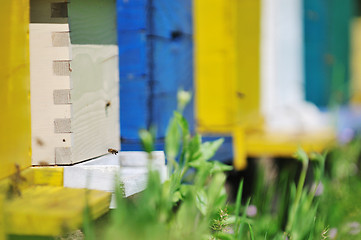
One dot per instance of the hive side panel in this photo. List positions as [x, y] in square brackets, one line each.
[15, 142]
[94, 79]
[134, 86]
[95, 101]
[248, 29]
[49, 71]
[172, 60]
[282, 56]
[317, 58]
[215, 64]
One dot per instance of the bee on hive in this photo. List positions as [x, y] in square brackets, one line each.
[112, 151]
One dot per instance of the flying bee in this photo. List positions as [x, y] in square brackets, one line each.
[240, 95]
[112, 151]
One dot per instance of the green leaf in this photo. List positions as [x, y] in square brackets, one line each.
[147, 140]
[208, 149]
[202, 201]
[172, 139]
[219, 167]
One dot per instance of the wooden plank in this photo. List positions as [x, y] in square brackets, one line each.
[172, 60]
[94, 23]
[171, 18]
[327, 40]
[45, 107]
[134, 86]
[282, 56]
[129, 168]
[58, 209]
[95, 81]
[15, 140]
[317, 56]
[248, 33]
[215, 64]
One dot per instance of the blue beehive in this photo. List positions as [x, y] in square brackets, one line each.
[326, 46]
[155, 60]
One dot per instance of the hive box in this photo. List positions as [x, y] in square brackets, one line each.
[74, 80]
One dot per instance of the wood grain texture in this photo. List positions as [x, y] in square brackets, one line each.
[95, 80]
[43, 84]
[75, 101]
[15, 139]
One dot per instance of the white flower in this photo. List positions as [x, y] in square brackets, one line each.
[183, 99]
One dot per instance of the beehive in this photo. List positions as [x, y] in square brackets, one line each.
[32, 200]
[74, 80]
[327, 50]
[155, 61]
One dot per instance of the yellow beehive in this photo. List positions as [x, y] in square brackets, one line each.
[41, 210]
[227, 37]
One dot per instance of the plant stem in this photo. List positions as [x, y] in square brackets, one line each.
[301, 182]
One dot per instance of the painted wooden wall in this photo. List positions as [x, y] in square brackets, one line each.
[282, 78]
[15, 140]
[327, 50]
[226, 64]
[74, 80]
[155, 60]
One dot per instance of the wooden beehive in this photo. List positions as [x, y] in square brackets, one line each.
[74, 80]
[155, 55]
[327, 50]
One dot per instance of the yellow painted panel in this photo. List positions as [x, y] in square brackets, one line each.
[15, 140]
[248, 61]
[257, 144]
[227, 37]
[278, 145]
[51, 211]
[52, 176]
[215, 64]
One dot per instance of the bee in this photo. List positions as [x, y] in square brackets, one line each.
[240, 95]
[39, 142]
[43, 163]
[112, 151]
[15, 181]
[107, 105]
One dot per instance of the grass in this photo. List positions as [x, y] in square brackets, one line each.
[192, 203]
